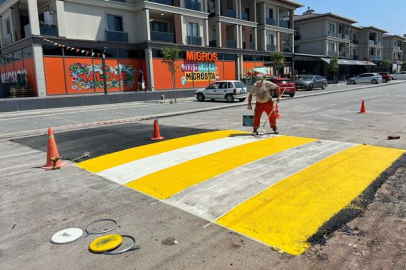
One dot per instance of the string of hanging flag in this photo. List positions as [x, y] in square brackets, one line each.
[72, 48]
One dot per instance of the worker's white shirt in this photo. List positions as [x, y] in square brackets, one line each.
[263, 92]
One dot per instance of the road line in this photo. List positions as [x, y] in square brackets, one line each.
[116, 159]
[165, 183]
[288, 213]
[139, 168]
[215, 197]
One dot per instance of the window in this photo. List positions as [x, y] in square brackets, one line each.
[354, 37]
[331, 27]
[193, 29]
[8, 27]
[319, 78]
[213, 86]
[159, 26]
[297, 49]
[297, 31]
[223, 85]
[114, 23]
[269, 13]
[271, 39]
[331, 47]
[379, 39]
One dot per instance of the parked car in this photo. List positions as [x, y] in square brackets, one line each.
[373, 78]
[399, 76]
[311, 81]
[228, 90]
[386, 77]
[286, 86]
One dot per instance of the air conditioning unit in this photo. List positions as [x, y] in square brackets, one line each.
[48, 17]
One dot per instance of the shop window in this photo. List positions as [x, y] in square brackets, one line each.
[8, 58]
[27, 52]
[230, 57]
[111, 53]
[1, 60]
[123, 54]
[18, 55]
[51, 50]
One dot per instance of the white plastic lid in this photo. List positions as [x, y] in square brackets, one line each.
[66, 236]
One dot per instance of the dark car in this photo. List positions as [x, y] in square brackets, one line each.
[386, 77]
[286, 86]
[311, 81]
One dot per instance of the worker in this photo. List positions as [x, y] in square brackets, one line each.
[262, 91]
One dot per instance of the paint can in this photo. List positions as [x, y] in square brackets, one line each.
[248, 118]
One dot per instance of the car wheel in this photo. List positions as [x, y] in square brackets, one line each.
[229, 98]
[310, 87]
[374, 81]
[241, 99]
[200, 97]
[323, 86]
[384, 80]
[292, 95]
[352, 82]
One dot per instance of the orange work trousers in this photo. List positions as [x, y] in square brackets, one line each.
[267, 108]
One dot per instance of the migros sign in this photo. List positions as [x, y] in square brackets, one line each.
[201, 56]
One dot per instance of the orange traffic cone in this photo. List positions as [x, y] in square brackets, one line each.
[157, 136]
[362, 107]
[277, 111]
[53, 159]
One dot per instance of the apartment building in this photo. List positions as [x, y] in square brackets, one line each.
[369, 43]
[58, 46]
[393, 50]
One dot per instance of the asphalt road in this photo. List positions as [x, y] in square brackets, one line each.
[35, 204]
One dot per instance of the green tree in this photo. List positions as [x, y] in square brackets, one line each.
[386, 64]
[333, 66]
[277, 60]
[170, 57]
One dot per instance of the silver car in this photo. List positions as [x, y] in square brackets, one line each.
[399, 76]
[311, 81]
[373, 78]
[228, 90]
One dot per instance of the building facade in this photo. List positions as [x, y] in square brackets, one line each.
[58, 46]
[393, 50]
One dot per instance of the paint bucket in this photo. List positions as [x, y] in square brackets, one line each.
[248, 118]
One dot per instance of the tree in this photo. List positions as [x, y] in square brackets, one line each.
[277, 60]
[170, 57]
[333, 66]
[386, 64]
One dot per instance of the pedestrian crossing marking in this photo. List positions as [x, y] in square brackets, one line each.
[288, 214]
[165, 183]
[122, 157]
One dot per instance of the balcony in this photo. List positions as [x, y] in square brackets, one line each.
[194, 40]
[48, 30]
[378, 57]
[355, 41]
[231, 13]
[341, 54]
[271, 48]
[355, 57]
[347, 36]
[331, 34]
[331, 53]
[371, 42]
[270, 21]
[284, 24]
[162, 36]
[373, 57]
[116, 36]
[252, 46]
[298, 37]
[165, 2]
[231, 44]
[213, 43]
[287, 48]
[244, 16]
[378, 43]
[340, 35]
[194, 5]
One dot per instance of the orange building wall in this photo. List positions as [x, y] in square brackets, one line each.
[54, 76]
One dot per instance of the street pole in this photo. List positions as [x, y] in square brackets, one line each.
[104, 70]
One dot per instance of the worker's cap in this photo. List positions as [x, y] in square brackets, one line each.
[260, 77]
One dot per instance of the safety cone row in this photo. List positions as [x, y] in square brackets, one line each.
[157, 135]
[363, 107]
[53, 159]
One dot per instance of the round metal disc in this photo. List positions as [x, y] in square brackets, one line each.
[66, 236]
[106, 243]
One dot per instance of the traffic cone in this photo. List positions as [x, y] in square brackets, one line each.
[277, 111]
[362, 107]
[157, 136]
[53, 159]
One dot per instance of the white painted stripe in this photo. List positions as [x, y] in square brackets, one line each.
[136, 169]
[215, 197]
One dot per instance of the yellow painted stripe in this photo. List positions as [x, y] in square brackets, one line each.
[287, 214]
[167, 182]
[115, 159]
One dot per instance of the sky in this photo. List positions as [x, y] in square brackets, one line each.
[388, 15]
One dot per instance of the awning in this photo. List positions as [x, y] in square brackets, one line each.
[349, 62]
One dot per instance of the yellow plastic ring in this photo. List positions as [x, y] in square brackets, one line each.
[106, 243]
